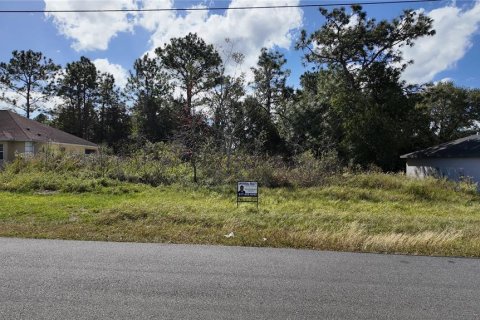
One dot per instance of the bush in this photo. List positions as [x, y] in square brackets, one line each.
[51, 181]
[164, 164]
[156, 164]
[304, 171]
[309, 171]
[419, 189]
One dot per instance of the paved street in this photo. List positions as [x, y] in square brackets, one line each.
[50, 279]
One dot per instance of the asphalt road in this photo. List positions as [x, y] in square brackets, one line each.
[50, 279]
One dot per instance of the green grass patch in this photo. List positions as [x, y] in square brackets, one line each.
[363, 212]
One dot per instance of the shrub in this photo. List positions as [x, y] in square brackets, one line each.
[162, 164]
[309, 171]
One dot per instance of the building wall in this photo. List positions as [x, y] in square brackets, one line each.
[57, 147]
[11, 148]
[14, 147]
[451, 168]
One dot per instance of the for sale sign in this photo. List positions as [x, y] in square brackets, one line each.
[247, 189]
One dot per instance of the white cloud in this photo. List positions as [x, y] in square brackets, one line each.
[444, 80]
[44, 105]
[151, 21]
[454, 31]
[118, 72]
[91, 31]
[250, 30]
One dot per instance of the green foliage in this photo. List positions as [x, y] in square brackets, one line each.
[351, 104]
[452, 112]
[30, 75]
[363, 63]
[356, 45]
[160, 164]
[270, 80]
[314, 122]
[195, 67]
[92, 106]
[264, 112]
[113, 126]
[310, 171]
[78, 88]
[40, 181]
[430, 189]
[259, 134]
[193, 63]
[27, 176]
[154, 165]
[228, 122]
[149, 89]
[304, 171]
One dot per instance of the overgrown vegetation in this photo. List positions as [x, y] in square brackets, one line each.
[350, 101]
[185, 129]
[90, 198]
[161, 164]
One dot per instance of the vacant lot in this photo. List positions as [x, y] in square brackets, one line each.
[366, 212]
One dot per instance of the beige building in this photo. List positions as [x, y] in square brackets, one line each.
[454, 160]
[19, 135]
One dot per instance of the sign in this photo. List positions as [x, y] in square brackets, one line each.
[247, 191]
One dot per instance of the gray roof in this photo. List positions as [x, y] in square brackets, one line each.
[14, 127]
[468, 147]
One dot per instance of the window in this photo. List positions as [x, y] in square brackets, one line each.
[90, 151]
[28, 147]
[1, 152]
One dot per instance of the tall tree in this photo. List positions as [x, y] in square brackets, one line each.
[453, 112]
[258, 134]
[78, 90]
[149, 88]
[193, 64]
[358, 46]
[364, 60]
[313, 123]
[28, 75]
[270, 97]
[195, 69]
[270, 78]
[113, 125]
[224, 101]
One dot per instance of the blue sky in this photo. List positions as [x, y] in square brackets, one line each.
[113, 41]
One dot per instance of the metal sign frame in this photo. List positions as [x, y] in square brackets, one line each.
[244, 198]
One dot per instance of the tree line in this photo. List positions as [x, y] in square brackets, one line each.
[351, 98]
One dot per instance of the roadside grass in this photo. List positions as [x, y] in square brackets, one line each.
[358, 212]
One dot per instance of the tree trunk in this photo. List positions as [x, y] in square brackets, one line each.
[28, 101]
[194, 166]
[189, 99]
[229, 154]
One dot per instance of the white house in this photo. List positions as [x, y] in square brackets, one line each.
[454, 160]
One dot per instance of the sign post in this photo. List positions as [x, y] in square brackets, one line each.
[247, 191]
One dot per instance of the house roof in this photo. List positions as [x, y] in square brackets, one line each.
[14, 127]
[468, 147]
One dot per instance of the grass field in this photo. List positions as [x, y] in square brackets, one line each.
[365, 212]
